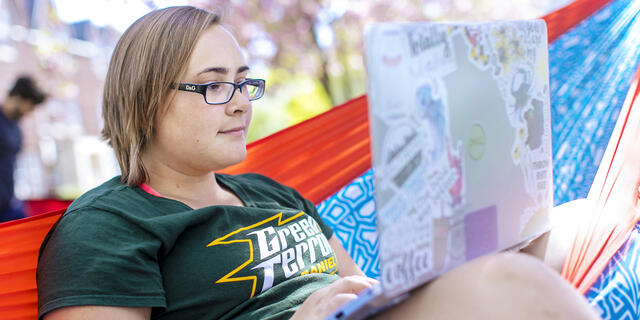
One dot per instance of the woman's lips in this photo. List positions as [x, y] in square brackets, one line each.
[238, 131]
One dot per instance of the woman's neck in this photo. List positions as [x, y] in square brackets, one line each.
[195, 189]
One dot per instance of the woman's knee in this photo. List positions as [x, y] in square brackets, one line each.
[519, 274]
[528, 284]
[499, 286]
[486, 276]
[511, 267]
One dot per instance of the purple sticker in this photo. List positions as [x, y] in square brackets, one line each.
[481, 232]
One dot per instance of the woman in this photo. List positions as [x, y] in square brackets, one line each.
[170, 239]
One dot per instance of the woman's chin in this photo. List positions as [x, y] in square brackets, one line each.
[231, 159]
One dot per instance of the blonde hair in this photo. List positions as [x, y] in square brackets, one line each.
[150, 55]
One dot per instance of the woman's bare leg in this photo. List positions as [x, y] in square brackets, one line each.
[500, 286]
[553, 246]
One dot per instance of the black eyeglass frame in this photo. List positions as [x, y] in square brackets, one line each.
[202, 88]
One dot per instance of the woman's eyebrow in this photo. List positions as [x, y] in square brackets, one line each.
[222, 70]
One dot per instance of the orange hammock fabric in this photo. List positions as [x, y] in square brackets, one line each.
[317, 157]
[19, 244]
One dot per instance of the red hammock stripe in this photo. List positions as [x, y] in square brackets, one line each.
[613, 197]
[560, 21]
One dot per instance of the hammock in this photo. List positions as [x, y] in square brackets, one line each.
[609, 240]
[327, 159]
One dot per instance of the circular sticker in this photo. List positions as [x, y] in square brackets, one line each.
[477, 142]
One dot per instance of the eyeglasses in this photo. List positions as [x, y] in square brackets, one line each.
[221, 92]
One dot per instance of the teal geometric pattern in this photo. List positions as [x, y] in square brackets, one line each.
[351, 214]
[616, 293]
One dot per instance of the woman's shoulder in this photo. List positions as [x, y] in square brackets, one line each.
[106, 189]
[112, 206]
[111, 196]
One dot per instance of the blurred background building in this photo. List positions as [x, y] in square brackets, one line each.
[309, 51]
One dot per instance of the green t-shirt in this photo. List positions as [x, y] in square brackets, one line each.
[121, 246]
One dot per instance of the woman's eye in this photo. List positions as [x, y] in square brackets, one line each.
[214, 87]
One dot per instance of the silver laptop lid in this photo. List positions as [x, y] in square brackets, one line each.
[461, 142]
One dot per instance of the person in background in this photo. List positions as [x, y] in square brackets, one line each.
[23, 98]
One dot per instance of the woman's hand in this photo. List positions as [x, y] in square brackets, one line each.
[323, 302]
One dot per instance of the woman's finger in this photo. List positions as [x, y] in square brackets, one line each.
[351, 284]
[340, 299]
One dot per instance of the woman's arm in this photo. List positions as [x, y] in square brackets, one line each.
[346, 265]
[99, 313]
[553, 246]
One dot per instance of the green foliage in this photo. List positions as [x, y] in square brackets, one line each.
[289, 99]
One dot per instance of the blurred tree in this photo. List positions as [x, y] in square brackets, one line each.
[312, 50]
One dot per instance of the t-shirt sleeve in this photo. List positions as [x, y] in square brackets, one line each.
[95, 257]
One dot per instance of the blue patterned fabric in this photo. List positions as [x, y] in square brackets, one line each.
[351, 214]
[616, 293]
[591, 68]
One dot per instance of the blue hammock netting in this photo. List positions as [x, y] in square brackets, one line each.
[590, 70]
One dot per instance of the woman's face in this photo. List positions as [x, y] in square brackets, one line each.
[193, 136]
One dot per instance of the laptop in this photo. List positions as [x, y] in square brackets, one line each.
[461, 142]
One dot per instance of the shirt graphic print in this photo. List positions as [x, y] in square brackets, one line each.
[279, 248]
